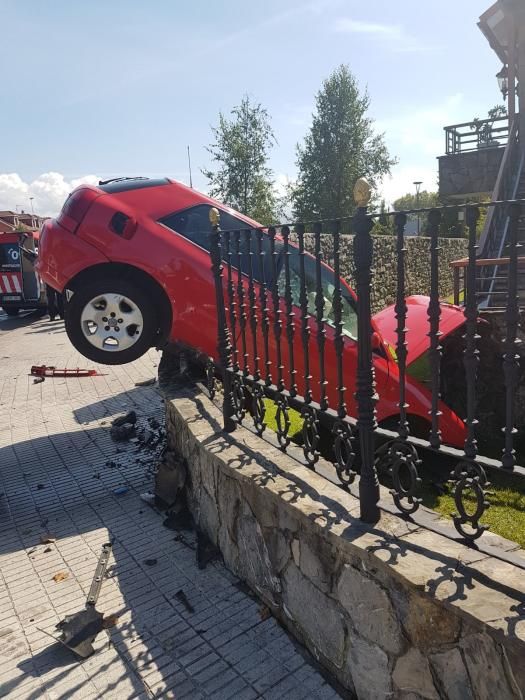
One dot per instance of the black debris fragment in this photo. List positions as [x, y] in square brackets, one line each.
[146, 382]
[179, 517]
[119, 433]
[150, 562]
[130, 417]
[181, 596]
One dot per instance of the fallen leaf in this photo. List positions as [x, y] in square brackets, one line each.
[60, 576]
[264, 613]
[109, 621]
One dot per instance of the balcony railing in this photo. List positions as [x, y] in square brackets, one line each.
[476, 135]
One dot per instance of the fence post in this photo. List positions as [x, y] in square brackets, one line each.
[224, 348]
[365, 384]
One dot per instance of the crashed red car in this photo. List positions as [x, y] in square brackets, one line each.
[131, 258]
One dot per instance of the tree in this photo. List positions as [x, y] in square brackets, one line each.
[450, 226]
[243, 179]
[340, 148]
[383, 225]
[410, 201]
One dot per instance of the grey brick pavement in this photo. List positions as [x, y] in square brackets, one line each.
[58, 469]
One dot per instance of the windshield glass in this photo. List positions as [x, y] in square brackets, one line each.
[348, 315]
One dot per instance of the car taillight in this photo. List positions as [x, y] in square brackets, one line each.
[75, 208]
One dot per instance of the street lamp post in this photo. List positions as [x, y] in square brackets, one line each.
[417, 184]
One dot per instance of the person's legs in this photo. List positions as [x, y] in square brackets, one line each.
[51, 302]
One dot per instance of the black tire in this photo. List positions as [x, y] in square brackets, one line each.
[11, 311]
[107, 286]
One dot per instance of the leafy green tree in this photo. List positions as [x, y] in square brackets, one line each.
[340, 147]
[410, 201]
[242, 178]
[383, 225]
[450, 226]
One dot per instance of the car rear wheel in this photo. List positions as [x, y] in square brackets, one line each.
[111, 321]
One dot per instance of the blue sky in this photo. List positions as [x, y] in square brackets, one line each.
[114, 87]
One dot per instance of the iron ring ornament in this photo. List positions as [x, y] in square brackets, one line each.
[238, 398]
[258, 408]
[344, 452]
[310, 435]
[282, 419]
[470, 480]
[400, 459]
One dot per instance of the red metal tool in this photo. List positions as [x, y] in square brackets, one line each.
[44, 371]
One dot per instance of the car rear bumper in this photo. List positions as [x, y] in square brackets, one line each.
[62, 255]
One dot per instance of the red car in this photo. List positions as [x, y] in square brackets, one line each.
[131, 257]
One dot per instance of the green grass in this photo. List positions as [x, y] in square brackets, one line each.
[506, 515]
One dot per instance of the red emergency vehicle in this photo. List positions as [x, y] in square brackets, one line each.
[20, 284]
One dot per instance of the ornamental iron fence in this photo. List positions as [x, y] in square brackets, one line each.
[293, 334]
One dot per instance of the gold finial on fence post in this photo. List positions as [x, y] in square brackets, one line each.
[362, 192]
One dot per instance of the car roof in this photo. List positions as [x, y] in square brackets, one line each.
[160, 197]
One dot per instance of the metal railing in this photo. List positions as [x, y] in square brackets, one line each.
[283, 339]
[476, 135]
[497, 297]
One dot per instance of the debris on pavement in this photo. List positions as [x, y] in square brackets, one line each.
[60, 576]
[148, 498]
[44, 371]
[181, 596]
[147, 382]
[120, 433]
[39, 380]
[206, 550]
[78, 631]
[120, 490]
[179, 516]
[150, 562]
[130, 417]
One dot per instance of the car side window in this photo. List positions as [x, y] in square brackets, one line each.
[348, 312]
[194, 224]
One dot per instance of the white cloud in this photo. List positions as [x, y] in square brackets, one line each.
[399, 40]
[346, 25]
[421, 130]
[48, 191]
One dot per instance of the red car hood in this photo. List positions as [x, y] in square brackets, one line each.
[417, 325]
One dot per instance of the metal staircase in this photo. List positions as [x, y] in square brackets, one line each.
[510, 184]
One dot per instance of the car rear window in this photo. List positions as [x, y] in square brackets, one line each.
[134, 183]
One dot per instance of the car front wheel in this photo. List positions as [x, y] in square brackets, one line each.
[111, 321]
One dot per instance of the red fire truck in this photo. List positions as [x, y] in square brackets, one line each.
[20, 285]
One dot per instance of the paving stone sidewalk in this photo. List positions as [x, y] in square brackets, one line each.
[59, 470]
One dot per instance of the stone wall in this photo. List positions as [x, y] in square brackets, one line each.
[472, 173]
[390, 610]
[417, 277]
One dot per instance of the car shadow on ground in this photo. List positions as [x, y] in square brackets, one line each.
[25, 318]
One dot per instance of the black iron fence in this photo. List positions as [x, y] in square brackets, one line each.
[293, 335]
